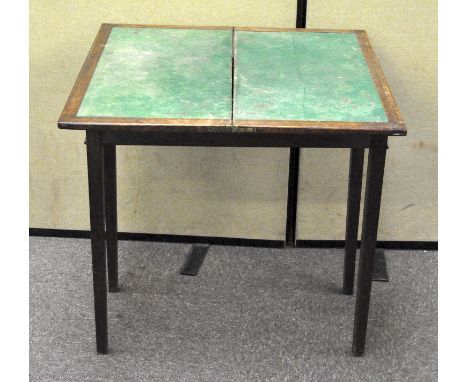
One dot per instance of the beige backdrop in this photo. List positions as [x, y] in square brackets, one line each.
[233, 192]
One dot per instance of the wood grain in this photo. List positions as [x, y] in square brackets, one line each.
[276, 126]
[141, 124]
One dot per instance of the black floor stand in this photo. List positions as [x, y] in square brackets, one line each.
[194, 259]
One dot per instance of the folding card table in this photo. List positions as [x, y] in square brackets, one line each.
[232, 87]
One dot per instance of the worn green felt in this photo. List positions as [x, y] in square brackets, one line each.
[162, 73]
[303, 76]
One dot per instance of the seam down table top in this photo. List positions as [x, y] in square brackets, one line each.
[196, 79]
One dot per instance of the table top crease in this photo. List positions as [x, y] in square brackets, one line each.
[240, 79]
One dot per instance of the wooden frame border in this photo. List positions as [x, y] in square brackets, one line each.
[69, 119]
[395, 124]
[388, 101]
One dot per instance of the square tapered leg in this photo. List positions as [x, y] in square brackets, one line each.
[375, 172]
[98, 242]
[356, 163]
[110, 191]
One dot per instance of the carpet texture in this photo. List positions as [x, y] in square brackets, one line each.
[251, 314]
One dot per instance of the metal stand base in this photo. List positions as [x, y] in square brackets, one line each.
[194, 260]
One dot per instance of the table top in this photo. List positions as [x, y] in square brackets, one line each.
[169, 78]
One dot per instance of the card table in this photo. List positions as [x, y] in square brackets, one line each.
[233, 87]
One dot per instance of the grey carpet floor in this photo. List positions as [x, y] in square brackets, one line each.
[252, 314]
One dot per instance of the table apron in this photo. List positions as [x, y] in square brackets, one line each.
[230, 139]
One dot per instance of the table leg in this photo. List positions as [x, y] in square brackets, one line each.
[98, 249]
[375, 172]
[356, 163]
[110, 188]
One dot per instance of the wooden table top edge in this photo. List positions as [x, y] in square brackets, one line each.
[380, 81]
[251, 126]
[69, 120]
[333, 127]
[85, 75]
[106, 123]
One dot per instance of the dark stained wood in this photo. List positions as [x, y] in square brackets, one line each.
[356, 164]
[374, 181]
[98, 240]
[110, 192]
[219, 139]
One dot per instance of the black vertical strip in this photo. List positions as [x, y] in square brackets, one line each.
[293, 183]
[301, 13]
[294, 155]
[233, 68]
